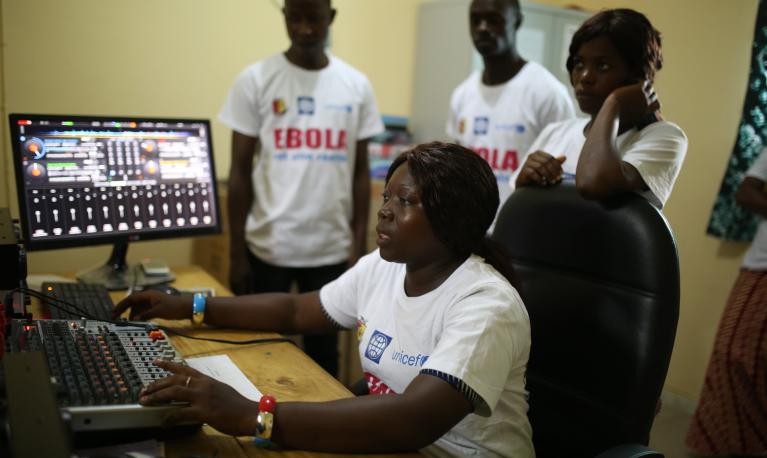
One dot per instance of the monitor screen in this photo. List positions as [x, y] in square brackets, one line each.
[86, 180]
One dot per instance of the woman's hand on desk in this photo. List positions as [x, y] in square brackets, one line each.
[210, 401]
[146, 305]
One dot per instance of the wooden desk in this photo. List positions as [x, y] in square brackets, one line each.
[280, 369]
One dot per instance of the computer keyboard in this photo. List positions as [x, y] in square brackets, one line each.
[93, 299]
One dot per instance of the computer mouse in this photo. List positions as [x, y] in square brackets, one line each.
[163, 288]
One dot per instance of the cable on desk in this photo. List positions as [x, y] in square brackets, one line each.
[226, 341]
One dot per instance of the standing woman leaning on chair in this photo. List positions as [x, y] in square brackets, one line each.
[624, 145]
[443, 336]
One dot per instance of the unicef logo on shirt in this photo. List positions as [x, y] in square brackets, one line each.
[376, 346]
[481, 125]
[305, 105]
[513, 127]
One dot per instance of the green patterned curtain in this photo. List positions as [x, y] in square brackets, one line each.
[728, 220]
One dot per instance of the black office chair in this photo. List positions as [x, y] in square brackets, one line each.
[601, 285]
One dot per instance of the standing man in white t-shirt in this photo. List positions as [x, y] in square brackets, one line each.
[499, 111]
[299, 214]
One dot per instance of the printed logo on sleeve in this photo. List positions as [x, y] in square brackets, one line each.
[481, 125]
[376, 346]
[305, 105]
[362, 324]
[279, 107]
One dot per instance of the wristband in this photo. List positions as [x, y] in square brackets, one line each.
[198, 309]
[265, 420]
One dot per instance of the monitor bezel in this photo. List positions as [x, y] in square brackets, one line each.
[116, 238]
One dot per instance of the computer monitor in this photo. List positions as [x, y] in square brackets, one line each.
[87, 180]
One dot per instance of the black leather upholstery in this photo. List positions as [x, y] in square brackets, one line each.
[601, 284]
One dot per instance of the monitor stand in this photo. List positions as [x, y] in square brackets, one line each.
[117, 274]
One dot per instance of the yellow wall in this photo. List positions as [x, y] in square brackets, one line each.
[6, 172]
[178, 58]
[173, 58]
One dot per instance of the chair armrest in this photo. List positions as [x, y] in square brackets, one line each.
[630, 451]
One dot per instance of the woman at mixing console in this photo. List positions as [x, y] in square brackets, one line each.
[443, 336]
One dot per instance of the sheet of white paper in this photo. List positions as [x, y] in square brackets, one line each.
[221, 368]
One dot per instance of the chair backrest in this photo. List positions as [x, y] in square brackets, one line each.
[601, 284]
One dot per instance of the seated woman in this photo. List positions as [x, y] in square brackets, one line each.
[443, 336]
[624, 145]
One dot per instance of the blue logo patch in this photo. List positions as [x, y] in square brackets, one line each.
[305, 105]
[376, 346]
[481, 124]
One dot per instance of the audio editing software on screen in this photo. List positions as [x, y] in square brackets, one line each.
[97, 178]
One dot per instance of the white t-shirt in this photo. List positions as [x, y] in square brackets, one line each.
[473, 327]
[309, 122]
[657, 152]
[500, 122]
[756, 257]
